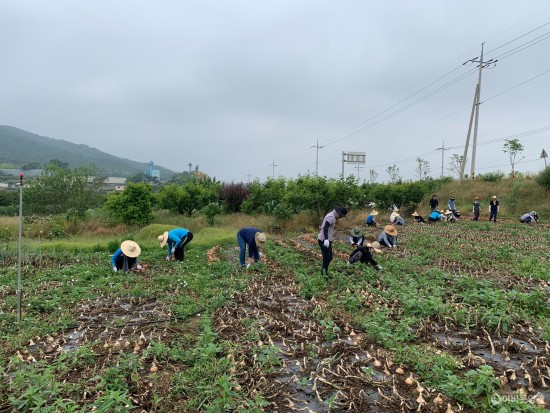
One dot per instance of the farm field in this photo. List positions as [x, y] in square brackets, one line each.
[458, 321]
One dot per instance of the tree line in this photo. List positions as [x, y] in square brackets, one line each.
[61, 190]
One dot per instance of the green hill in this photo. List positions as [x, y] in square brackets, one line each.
[20, 147]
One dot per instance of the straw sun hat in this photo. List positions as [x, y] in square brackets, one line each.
[163, 239]
[415, 214]
[373, 212]
[260, 237]
[375, 245]
[390, 230]
[130, 248]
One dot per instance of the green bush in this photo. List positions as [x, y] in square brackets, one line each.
[543, 179]
[492, 176]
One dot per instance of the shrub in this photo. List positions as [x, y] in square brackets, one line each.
[233, 195]
[543, 179]
[492, 176]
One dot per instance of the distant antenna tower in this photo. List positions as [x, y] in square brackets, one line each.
[190, 165]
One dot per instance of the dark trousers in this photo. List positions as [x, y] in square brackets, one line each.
[178, 253]
[124, 263]
[327, 255]
[493, 216]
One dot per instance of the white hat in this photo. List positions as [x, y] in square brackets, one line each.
[260, 237]
[163, 239]
[130, 248]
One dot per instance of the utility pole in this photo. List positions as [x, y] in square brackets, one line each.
[343, 160]
[249, 176]
[317, 157]
[475, 110]
[358, 167]
[19, 293]
[190, 165]
[273, 165]
[442, 149]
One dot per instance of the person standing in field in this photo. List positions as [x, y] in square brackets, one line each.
[477, 209]
[176, 239]
[494, 206]
[253, 239]
[434, 203]
[126, 256]
[452, 207]
[324, 239]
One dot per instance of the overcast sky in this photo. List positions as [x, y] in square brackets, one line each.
[235, 86]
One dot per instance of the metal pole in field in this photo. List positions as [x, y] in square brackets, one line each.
[19, 247]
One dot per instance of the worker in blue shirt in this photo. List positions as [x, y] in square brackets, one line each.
[126, 256]
[254, 239]
[176, 239]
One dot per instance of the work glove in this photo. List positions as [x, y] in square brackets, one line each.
[260, 255]
[138, 267]
[167, 258]
[326, 243]
[173, 250]
[378, 267]
[115, 269]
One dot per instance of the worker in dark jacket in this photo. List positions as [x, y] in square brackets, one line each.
[494, 207]
[434, 202]
[254, 239]
[364, 255]
[324, 239]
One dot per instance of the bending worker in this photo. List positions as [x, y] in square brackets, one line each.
[126, 256]
[254, 239]
[176, 239]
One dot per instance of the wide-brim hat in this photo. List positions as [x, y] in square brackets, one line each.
[390, 230]
[373, 212]
[356, 232]
[130, 248]
[447, 212]
[375, 245]
[494, 197]
[259, 237]
[415, 214]
[452, 198]
[441, 211]
[163, 239]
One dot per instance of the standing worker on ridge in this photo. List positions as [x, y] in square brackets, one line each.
[324, 239]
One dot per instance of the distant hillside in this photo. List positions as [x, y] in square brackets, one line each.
[19, 147]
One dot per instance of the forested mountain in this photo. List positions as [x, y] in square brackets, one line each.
[19, 148]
